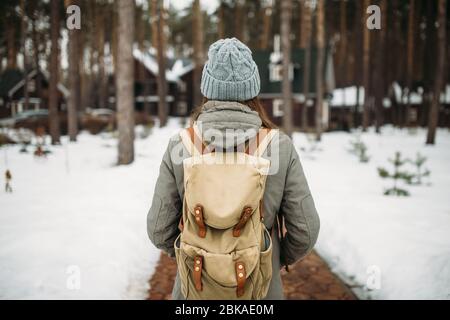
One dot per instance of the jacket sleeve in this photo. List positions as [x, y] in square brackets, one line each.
[165, 211]
[299, 213]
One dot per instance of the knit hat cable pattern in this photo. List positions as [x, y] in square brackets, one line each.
[230, 74]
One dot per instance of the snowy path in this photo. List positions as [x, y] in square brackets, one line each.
[89, 221]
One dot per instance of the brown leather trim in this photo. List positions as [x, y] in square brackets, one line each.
[245, 216]
[261, 210]
[254, 142]
[181, 224]
[197, 273]
[241, 276]
[198, 143]
[198, 215]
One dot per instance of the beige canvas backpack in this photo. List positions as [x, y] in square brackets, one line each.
[224, 251]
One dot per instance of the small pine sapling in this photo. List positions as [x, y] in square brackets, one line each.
[421, 172]
[397, 175]
[359, 148]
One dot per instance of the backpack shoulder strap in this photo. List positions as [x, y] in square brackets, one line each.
[192, 140]
[259, 143]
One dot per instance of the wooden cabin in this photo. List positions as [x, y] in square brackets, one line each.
[12, 93]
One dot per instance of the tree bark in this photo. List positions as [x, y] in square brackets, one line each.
[198, 50]
[305, 44]
[343, 43]
[320, 65]
[366, 65]
[221, 22]
[162, 83]
[23, 36]
[380, 83]
[11, 43]
[267, 19]
[101, 23]
[285, 28]
[239, 23]
[439, 79]
[74, 79]
[54, 74]
[154, 21]
[409, 59]
[125, 81]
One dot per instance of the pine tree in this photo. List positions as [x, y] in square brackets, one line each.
[124, 81]
[320, 64]
[439, 76]
[396, 175]
[162, 83]
[421, 172]
[74, 79]
[286, 8]
[54, 74]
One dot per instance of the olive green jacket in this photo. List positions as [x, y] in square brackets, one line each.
[287, 192]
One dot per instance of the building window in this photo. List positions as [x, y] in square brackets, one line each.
[276, 72]
[277, 108]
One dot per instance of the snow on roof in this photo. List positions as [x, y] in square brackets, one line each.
[415, 98]
[445, 97]
[149, 61]
[180, 68]
[346, 96]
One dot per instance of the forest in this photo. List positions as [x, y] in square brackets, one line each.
[394, 52]
[91, 92]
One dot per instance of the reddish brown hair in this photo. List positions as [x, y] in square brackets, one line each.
[253, 104]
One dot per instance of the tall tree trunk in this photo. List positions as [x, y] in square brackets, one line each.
[380, 83]
[239, 22]
[162, 83]
[343, 43]
[440, 73]
[11, 43]
[286, 10]
[409, 59]
[114, 37]
[198, 50]
[320, 66]
[366, 65]
[357, 31]
[125, 81]
[74, 79]
[221, 22]
[305, 44]
[54, 74]
[154, 21]
[267, 19]
[23, 37]
[101, 23]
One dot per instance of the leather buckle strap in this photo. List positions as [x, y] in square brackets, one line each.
[198, 266]
[261, 210]
[181, 224]
[246, 214]
[241, 278]
[198, 213]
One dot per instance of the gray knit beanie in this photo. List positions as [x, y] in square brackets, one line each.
[230, 74]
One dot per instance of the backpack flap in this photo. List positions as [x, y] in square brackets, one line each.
[223, 190]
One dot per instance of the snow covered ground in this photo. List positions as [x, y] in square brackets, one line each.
[75, 226]
[398, 247]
